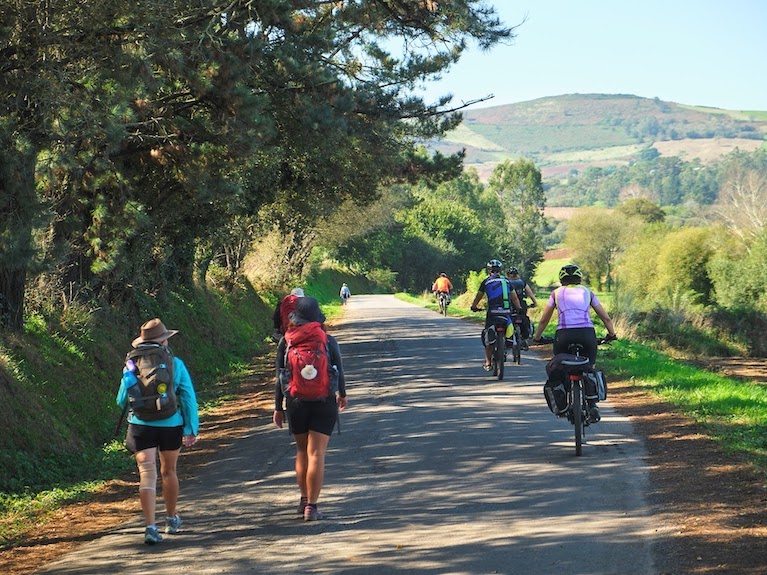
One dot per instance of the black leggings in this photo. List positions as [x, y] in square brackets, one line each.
[586, 336]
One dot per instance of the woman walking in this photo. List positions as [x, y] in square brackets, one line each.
[164, 416]
[311, 416]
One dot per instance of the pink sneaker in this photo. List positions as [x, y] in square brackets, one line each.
[311, 513]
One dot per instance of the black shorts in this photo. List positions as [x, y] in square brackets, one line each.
[305, 416]
[141, 437]
[583, 335]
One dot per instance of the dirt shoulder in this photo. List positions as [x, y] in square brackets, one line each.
[711, 504]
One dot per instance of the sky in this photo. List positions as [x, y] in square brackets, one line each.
[697, 52]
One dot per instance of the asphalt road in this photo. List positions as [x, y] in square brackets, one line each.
[439, 469]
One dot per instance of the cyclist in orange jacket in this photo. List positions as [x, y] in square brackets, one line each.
[442, 285]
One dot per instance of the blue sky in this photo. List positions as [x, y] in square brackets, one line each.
[704, 52]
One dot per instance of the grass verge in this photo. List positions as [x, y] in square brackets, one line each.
[733, 412]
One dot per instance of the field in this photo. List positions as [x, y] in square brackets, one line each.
[706, 150]
[547, 273]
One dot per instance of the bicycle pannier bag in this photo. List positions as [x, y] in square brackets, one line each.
[556, 396]
[488, 336]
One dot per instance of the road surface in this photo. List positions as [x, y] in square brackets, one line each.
[439, 469]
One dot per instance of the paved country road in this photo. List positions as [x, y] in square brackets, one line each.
[439, 469]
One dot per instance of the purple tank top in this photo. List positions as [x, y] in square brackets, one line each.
[573, 304]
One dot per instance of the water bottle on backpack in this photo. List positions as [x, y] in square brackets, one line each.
[132, 385]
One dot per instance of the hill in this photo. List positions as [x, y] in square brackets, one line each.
[575, 131]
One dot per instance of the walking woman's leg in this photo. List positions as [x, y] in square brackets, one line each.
[146, 459]
[168, 461]
[317, 447]
[302, 464]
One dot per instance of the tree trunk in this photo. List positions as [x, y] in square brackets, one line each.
[19, 209]
[12, 283]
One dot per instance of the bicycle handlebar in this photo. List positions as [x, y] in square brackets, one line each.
[600, 341]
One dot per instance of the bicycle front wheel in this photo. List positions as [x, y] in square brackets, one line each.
[577, 416]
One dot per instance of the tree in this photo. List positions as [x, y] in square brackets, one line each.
[682, 269]
[637, 266]
[151, 125]
[597, 236]
[742, 202]
[519, 189]
[643, 209]
[419, 231]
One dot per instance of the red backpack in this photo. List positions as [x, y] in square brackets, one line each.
[286, 307]
[307, 362]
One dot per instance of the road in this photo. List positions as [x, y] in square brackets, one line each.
[439, 469]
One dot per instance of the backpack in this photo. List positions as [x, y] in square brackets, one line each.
[308, 373]
[286, 308]
[498, 290]
[154, 371]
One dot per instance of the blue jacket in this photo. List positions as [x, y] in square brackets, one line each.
[187, 415]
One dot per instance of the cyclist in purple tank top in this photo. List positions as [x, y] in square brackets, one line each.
[574, 303]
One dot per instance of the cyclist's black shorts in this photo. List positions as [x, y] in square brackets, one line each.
[586, 336]
[491, 316]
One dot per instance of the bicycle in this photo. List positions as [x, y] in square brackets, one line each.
[577, 409]
[516, 338]
[443, 300]
[498, 356]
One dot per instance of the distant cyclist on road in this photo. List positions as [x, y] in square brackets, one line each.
[442, 285]
[573, 302]
[501, 301]
[523, 290]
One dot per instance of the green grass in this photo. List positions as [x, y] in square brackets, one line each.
[552, 139]
[734, 412]
[547, 273]
[18, 511]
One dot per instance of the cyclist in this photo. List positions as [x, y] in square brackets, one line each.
[573, 302]
[523, 291]
[501, 301]
[442, 285]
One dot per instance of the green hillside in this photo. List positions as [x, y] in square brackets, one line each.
[578, 130]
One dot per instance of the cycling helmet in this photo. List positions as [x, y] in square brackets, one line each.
[570, 274]
[443, 275]
[513, 271]
[494, 266]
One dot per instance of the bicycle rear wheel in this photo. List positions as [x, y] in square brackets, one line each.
[577, 416]
[500, 352]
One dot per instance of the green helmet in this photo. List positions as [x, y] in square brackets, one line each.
[572, 272]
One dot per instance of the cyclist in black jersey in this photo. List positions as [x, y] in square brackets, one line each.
[501, 301]
[523, 291]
